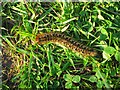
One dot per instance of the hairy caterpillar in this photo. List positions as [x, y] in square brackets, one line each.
[56, 37]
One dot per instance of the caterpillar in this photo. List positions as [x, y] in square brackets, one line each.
[60, 38]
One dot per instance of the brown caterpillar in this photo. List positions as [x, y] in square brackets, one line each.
[56, 37]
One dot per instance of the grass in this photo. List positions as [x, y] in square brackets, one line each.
[49, 65]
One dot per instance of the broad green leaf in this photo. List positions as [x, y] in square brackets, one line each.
[37, 86]
[100, 17]
[99, 84]
[109, 50]
[106, 55]
[103, 31]
[93, 79]
[67, 77]
[22, 85]
[76, 79]
[68, 84]
[117, 56]
[98, 74]
[103, 37]
[38, 78]
[104, 34]
[90, 29]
